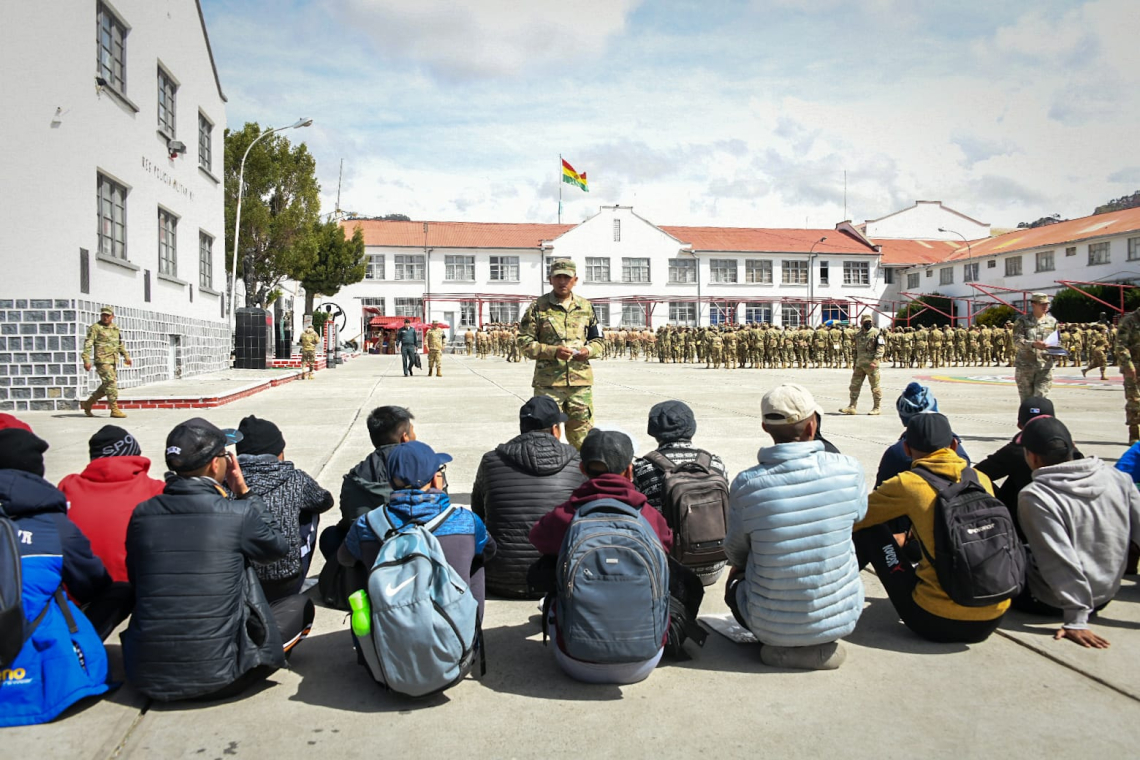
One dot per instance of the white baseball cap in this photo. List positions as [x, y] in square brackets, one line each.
[788, 404]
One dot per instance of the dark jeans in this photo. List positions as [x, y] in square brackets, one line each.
[899, 578]
[109, 608]
[408, 357]
[730, 600]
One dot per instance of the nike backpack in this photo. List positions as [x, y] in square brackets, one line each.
[978, 557]
[424, 618]
[612, 603]
[695, 505]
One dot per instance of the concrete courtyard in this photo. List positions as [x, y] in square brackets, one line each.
[1020, 694]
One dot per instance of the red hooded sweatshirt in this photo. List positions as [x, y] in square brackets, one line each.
[101, 501]
[548, 532]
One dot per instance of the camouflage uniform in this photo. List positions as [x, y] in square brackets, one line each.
[1128, 357]
[309, 341]
[1098, 353]
[548, 326]
[869, 346]
[434, 339]
[469, 341]
[1033, 369]
[107, 344]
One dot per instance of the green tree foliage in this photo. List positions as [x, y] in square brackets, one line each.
[920, 314]
[319, 319]
[996, 316]
[280, 209]
[1044, 221]
[1119, 204]
[1071, 305]
[340, 261]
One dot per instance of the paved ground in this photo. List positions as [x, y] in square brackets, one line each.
[1019, 694]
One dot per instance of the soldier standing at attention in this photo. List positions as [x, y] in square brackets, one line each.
[1128, 357]
[435, 348]
[868, 352]
[107, 343]
[309, 341]
[1033, 368]
[560, 332]
[469, 341]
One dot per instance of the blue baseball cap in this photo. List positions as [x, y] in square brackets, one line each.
[414, 464]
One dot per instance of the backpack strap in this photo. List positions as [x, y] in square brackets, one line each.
[379, 522]
[434, 523]
[660, 461]
[612, 506]
[65, 608]
[704, 459]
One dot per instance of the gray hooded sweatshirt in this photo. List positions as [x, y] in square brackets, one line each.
[1078, 518]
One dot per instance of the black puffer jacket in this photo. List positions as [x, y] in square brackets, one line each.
[290, 495]
[365, 487]
[517, 483]
[200, 619]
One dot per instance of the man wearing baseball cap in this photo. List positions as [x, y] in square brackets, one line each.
[202, 628]
[794, 581]
[1079, 518]
[519, 482]
[1033, 365]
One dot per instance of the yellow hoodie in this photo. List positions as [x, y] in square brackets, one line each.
[909, 495]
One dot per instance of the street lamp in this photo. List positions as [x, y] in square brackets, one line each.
[237, 222]
[969, 248]
[811, 273]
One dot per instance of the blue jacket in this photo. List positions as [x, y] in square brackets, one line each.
[896, 461]
[1129, 462]
[57, 666]
[789, 526]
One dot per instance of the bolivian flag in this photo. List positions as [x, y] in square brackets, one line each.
[571, 177]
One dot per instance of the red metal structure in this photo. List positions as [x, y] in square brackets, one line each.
[1118, 309]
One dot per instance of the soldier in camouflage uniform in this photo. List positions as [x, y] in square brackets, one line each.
[1098, 352]
[560, 332]
[1033, 368]
[309, 341]
[104, 339]
[1128, 357]
[869, 346]
[434, 340]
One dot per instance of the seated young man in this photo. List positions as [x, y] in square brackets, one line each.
[416, 475]
[673, 425]
[519, 482]
[202, 628]
[1079, 518]
[607, 462]
[915, 592]
[294, 498]
[793, 580]
[915, 399]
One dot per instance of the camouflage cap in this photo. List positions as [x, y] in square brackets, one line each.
[866, 317]
[564, 266]
[107, 310]
[1039, 298]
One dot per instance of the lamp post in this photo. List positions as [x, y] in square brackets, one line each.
[811, 274]
[237, 221]
[969, 255]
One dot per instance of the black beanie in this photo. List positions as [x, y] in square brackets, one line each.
[113, 441]
[672, 421]
[261, 437]
[22, 450]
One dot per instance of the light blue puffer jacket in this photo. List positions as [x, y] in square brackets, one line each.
[790, 527]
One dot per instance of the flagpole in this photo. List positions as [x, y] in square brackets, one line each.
[560, 188]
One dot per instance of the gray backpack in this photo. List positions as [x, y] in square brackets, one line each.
[612, 601]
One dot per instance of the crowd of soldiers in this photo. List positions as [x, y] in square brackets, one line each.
[494, 339]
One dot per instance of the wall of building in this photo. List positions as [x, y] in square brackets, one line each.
[921, 222]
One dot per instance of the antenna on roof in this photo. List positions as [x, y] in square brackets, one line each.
[338, 181]
[844, 195]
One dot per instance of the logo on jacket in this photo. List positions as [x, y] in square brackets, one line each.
[13, 677]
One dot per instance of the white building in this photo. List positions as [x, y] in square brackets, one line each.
[114, 107]
[925, 220]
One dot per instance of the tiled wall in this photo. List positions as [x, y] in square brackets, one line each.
[41, 341]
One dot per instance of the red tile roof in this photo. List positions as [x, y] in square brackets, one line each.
[1062, 233]
[747, 239]
[915, 252]
[454, 234]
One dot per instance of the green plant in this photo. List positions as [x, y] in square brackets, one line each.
[996, 316]
[1071, 305]
[919, 313]
[319, 319]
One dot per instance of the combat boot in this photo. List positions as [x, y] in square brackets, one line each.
[86, 406]
[875, 411]
[116, 412]
[850, 408]
[1084, 373]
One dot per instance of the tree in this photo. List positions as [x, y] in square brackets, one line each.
[339, 261]
[996, 316]
[1119, 204]
[918, 312]
[280, 209]
[1044, 221]
[1071, 305]
[395, 218]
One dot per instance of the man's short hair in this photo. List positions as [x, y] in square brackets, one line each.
[787, 433]
[387, 424]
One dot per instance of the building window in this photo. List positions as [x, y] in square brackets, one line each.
[375, 267]
[722, 270]
[722, 313]
[166, 91]
[617, 230]
[1045, 261]
[757, 313]
[459, 268]
[991, 264]
[824, 273]
[912, 281]
[682, 270]
[597, 269]
[602, 314]
[167, 243]
[970, 272]
[833, 312]
[1013, 266]
[635, 270]
[888, 275]
[374, 301]
[548, 262]
[929, 272]
[409, 307]
[794, 272]
[946, 276]
[111, 49]
[633, 314]
[1134, 249]
[1071, 250]
[409, 267]
[683, 313]
[504, 312]
[857, 273]
[205, 261]
[792, 315]
[112, 218]
[205, 142]
[466, 313]
[758, 271]
[1098, 253]
[505, 269]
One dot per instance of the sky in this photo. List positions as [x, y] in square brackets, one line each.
[742, 113]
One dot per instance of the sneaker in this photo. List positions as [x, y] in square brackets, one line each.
[820, 657]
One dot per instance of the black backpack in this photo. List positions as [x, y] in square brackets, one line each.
[14, 630]
[695, 505]
[978, 557]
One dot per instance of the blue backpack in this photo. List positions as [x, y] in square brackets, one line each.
[613, 585]
[425, 620]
